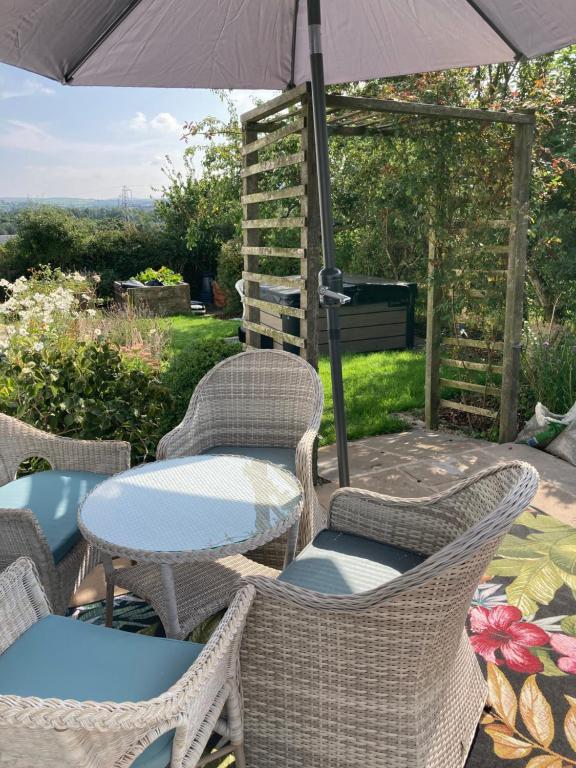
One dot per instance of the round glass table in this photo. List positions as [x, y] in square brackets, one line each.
[189, 509]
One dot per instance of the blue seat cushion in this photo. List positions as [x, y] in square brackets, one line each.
[338, 563]
[68, 659]
[53, 497]
[282, 457]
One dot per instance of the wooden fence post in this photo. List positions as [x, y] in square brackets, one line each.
[433, 334]
[523, 138]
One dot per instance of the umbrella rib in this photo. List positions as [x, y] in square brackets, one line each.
[291, 84]
[69, 76]
[495, 28]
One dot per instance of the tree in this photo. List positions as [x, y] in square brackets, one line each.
[202, 210]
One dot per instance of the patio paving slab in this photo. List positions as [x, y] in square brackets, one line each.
[419, 462]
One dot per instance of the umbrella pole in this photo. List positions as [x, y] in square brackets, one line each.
[330, 277]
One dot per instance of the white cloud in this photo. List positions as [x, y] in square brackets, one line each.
[28, 88]
[56, 165]
[32, 137]
[162, 123]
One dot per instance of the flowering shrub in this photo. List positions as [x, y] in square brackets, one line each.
[55, 305]
[68, 367]
[44, 303]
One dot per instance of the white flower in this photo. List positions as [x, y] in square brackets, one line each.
[487, 595]
[97, 332]
[23, 331]
[152, 331]
[91, 312]
[549, 623]
[38, 347]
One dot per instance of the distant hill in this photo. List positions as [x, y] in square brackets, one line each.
[12, 203]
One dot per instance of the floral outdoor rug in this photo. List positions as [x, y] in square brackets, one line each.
[522, 625]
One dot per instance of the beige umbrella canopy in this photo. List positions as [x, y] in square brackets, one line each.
[277, 44]
[249, 43]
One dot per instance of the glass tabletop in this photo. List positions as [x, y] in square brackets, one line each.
[192, 503]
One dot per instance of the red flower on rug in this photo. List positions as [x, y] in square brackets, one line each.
[502, 629]
[566, 647]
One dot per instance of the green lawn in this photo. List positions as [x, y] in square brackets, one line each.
[375, 384]
[189, 328]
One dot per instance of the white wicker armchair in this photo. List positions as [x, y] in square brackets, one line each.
[384, 677]
[20, 532]
[56, 733]
[263, 399]
[267, 404]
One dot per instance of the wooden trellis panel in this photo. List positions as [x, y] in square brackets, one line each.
[504, 277]
[263, 129]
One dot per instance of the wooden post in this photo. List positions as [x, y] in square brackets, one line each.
[251, 237]
[523, 138]
[310, 237]
[433, 334]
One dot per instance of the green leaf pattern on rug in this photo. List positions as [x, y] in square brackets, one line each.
[541, 563]
[550, 667]
[568, 625]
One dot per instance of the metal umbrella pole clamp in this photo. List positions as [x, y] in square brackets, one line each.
[330, 277]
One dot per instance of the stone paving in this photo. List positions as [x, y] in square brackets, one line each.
[419, 463]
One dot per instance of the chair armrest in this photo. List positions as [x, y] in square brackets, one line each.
[105, 456]
[313, 517]
[22, 537]
[192, 436]
[23, 601]
[19, 441]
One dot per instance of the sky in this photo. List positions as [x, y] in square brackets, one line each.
[59, 141]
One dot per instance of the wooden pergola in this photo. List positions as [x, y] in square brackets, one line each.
[280, 170]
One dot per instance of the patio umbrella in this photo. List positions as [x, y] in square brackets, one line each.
[276, 44]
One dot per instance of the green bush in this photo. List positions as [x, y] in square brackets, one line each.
[189, 365]
[163, 274]
[85, 390]
[230, 262]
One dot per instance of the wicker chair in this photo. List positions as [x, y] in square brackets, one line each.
[266, 404]
[385, 677]
[61, 570]
[97, 731]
